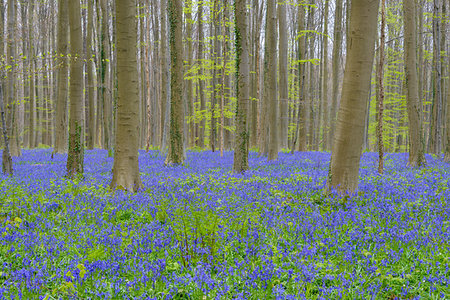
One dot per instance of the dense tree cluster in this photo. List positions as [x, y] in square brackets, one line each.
[226, 75]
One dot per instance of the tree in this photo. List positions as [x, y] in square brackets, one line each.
[270, 78]
[337, 44]
[7, 165]
[416, 143]
[447, 148]
[300, 131]
[176, 147]
[126, 164]
[436, 120]
[11, 103]
[75, 158]
[62, 78]
[90, 74]
[283, 71]
[105, 74]
[6, 155]
[202, 125]
[326, 108]
[381, 90]
[163, 68]
[240, 163]
[216, 53]
[348, 141]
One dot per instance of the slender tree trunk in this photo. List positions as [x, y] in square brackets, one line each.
[148, 84]
[381, 90]
[106, 88]
[416, 143]
[201, 137]
[189, 83]
[283, 71]
[126, 164]
[11, 78]
[270, 78]
[32, 64]
[348, 141]
[254, 74]
[176, 147]
[63, 78]
[240, 163]
[163, 64]
[447, 148]
[75, 159]
[436, 121]
[7, 165]
[90, 74]
[325, 100]
[99, 74]
[311, 84]
[215, 54]
[222, 97]
[337, 45]
[300, 132]
[227, 138]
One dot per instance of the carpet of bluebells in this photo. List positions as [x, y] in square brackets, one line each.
[200, 232]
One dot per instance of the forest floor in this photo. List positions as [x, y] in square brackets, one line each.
[200, 232]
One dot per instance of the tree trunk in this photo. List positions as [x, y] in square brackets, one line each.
[31, 66]
[310, 100]
[164, 75]
[106, 88]
[222, 96]
[202, 125]
[240, 163]
[436, 121]
[176, 147]
[75, 159]
[90, 74]
[189, 83]
[300, 131]
[227, 140]
[63, 78]
[325, 103]
[416, 143]
[6, 154]
[283, 71]
[447, 148]
[11, 106]
[270, 78]
[348, 141]
[215, 54]
[337, 45]
[7, 165]
[381, 90]
[126, 164]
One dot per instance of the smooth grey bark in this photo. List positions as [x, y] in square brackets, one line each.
[240, 162]
[348, 140]
[283, 71]
[126, 157]
[414, 107]
[270, 78]
[62, 78]
[90, 80]
[75, 158]
[7, 165]
[163, 69]
[437, 107]
[337, 46]
[325, 99]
